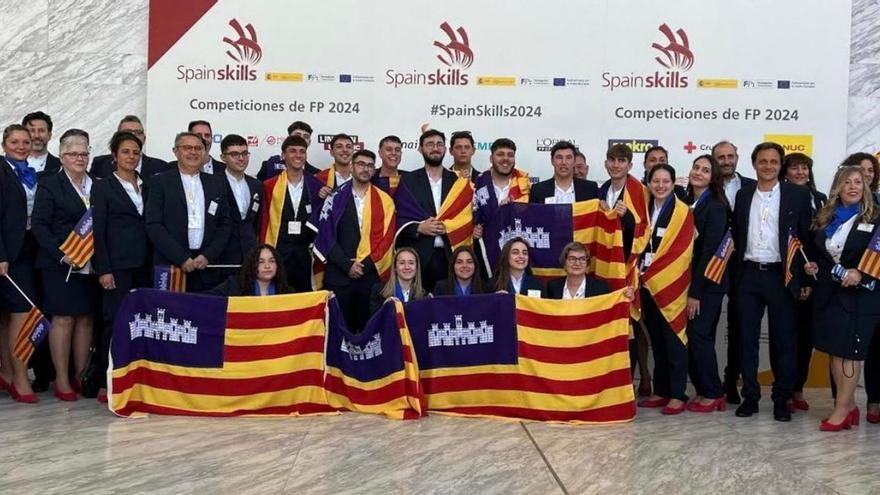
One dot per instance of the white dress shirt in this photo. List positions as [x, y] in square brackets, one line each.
[294, 192]
[731, 187]
[516, 283]
[563, 196]
[612, 196]
[38, 163]
[579, 294]
[340, 180]
[195, 209]
[208, 167]
[359, 206]
[501, 193]
[241, 191]
[30, 193]
[437, 196]
[762, 244]
[136, 196]
[834, 244]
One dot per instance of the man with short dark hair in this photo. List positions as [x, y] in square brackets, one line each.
[245, 199]
[275, 164]
[563, 187]
[339, 172]
[103, 166]
[766, 214]
[202, 128]
[387, 176]
[187, 215]
[581, 168]
[462, 148]
[39, 126]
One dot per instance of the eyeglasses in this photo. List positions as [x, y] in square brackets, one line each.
[76, 156]
[188, 148]
[238, 154]
[577, 259]
[438, 144]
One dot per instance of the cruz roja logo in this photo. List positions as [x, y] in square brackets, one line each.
[244, 51]
[455, 54]
[675, 56]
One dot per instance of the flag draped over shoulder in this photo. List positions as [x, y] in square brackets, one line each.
[718, 263]
[509, 356]
[387, 184]
[328, 176]
[870, 262]
[276, 193]
[377, 231]
[668, 278]
[456, 212]
[201, 355]
[486, 202]
[80, 243]
[376, 370]
[549, 227]
[34, 330]
[636, 200]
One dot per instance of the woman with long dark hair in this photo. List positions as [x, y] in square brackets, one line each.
[462, 278]
[261, 274]
[514, 274]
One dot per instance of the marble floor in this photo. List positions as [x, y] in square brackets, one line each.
[57, 447]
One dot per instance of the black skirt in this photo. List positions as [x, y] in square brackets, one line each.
[25, 275]
[842, 333]
[75, 297]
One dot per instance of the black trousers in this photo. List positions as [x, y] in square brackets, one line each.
[734, 353]
[804, 329]
[756, 290]
[298, 266]
[670, 354]
[354, 300]
[435, 268]
[125, 281]
[701, 331]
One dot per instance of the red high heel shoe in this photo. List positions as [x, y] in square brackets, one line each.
[826, 425]
[800, 404]
[671, 411]
[23, 398]
[102, 397]
[716, 405]
[65, 396]
[661, 402]
[873, 418]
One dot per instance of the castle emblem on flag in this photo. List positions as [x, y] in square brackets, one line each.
[327, 207]
[536, 238]
[481, 197]
[371, 349]
[159, 329]
[447, 335]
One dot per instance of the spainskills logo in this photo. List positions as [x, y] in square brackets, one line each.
[675, 56]
[244, 51]
[455, 54]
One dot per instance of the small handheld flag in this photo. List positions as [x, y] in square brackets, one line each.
[34, 330]
[870, 262]
[171, 278]
[718, 263]
[794, 245]
[80, 244]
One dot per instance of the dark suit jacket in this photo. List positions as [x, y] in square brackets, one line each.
[57, 209]
[290, 245]
[710, 220]
[474, 172]
[583, 190]
[53, 166]
[445, 288]
[103, 166]
[794, 215]
[348, 235]
[13, 213]
[855, 300]
[818, 200]
[376, 298]
[166, 218]
[219, 167]
[274, 165]
[593, 287]
[418, 184]
[231, 288]
[120, 231]
[529, 282]
[243, 233]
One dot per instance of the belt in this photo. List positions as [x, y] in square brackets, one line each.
[763, 267]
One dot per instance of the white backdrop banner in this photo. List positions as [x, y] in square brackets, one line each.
[682, 75]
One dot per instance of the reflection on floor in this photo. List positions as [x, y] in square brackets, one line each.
[57, 447]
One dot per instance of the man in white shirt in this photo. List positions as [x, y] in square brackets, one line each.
[339, 172]
[203, 129]
[245, 195]
[766, 214]
[39, 125]
[563, 187]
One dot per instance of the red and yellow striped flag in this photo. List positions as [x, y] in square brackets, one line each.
[34, 330]
[870, 262]
[80, 243]
[794, 245]
[457, 214]
[669, 276]
[718, 263]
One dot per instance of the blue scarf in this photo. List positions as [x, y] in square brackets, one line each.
[842, 214]
[270, 291]
[703, 196]
[398, 292]
[462, 292]
[26, 174]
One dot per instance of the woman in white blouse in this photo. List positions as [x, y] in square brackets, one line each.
[578, 282]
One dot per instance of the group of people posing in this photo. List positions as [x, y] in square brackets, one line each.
[207, 217]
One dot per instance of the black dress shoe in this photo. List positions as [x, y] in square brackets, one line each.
[731, 396]
[40, 384]
[747, 409]
[781, 412]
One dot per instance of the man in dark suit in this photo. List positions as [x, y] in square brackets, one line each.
[202, 128]
[275, 164]
[187, 215]
[657, 155]
[39, 125]
[429, 187]
[103, 165]
[766, 214]
[725, 153]
[563, 187]
[244, 196]
[462, 148]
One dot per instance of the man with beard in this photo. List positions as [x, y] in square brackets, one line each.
[725, 153]
[387, 176]
[581, 169]
[275, 164]
[103, 165]
[339, 172]
[429, 187]
[39, 125]
[462, 148]
[563, 187]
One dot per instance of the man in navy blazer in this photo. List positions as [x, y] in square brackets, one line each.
[563, 187]
[39, 126]
[275, 163]
[187, 215]
[766, 214]
[103, 166]
[245, 199]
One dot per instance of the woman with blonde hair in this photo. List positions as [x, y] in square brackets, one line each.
[405, 282]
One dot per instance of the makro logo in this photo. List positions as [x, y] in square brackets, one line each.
[454, 53]
[675, 56]
[636, 145]
[244, 51]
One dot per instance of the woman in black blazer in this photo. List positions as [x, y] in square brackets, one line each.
[514, 274]
[405, 282]
[261, 274]
[121, 247]
[462, 278]
[578, 283]
[18, 248]
[846, 312]
[70, 292]
[797, 168]
[705, 195]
